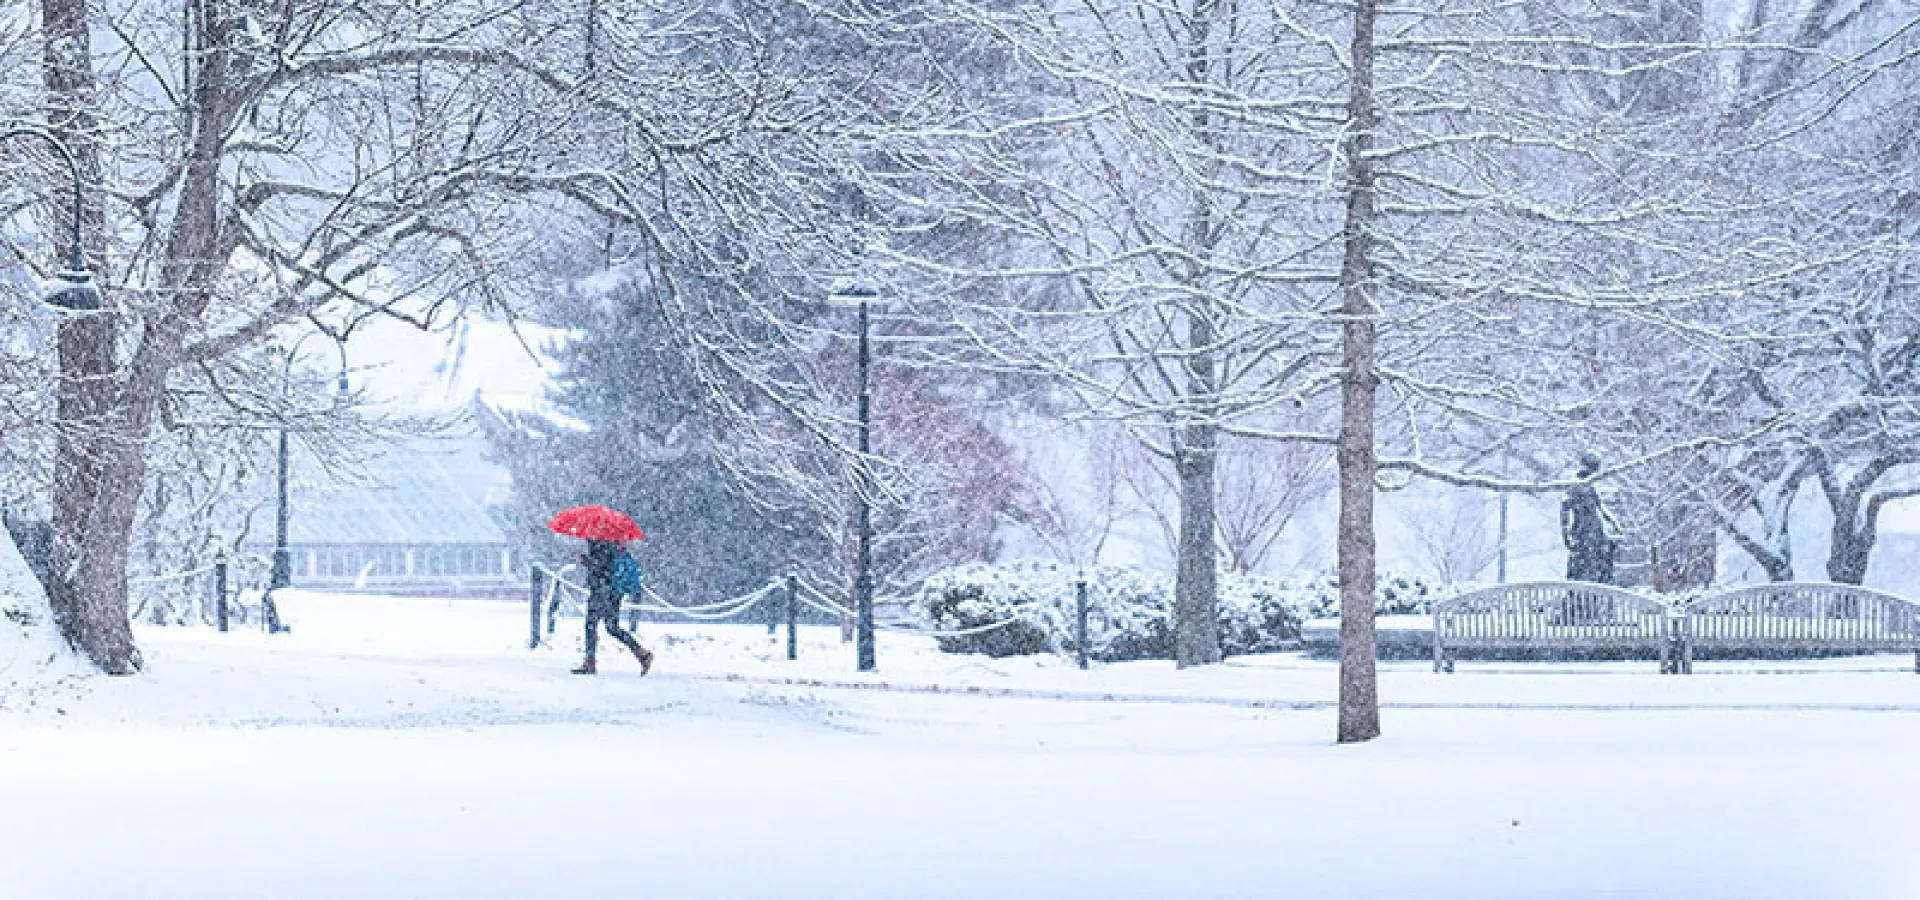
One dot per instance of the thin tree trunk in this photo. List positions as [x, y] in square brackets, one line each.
[1776, 560]
[1779, 568]
[1359, 692]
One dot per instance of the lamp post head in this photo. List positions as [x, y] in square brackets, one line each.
[73, 290]
[852, 295]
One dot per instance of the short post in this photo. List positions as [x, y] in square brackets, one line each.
[1678, 658]
[533, 608]
[1080, 618]
[220, 590]
[793, 617]
[773, 614]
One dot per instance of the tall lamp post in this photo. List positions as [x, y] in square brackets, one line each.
[282, 574]
[75, 291]
[862, 297]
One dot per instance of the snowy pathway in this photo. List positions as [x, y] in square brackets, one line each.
[431, 757]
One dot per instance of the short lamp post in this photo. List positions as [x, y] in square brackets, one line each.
[282, 574]
[862, 297]
[76, 291]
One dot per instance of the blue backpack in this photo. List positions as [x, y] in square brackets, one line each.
[625, 577]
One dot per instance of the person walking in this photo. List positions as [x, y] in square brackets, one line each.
[603, 606]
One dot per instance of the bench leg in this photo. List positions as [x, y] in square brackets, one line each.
[1916, 662]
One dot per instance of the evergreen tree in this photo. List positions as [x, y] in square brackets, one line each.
[632, 434]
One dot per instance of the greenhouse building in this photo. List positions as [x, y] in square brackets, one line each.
[420, 521]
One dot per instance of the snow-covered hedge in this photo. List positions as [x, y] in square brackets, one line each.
[1130, 611]
[1393, 595]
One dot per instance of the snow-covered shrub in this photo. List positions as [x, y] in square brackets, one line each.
[1126, 618]
[1393, 595]
[962, 606]
[1258, 615]
[1130, 612]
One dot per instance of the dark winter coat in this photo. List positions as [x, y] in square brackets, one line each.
[599, 566]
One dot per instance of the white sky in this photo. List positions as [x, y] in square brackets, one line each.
[404, 369]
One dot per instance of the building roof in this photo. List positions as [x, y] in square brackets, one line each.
[422, 491]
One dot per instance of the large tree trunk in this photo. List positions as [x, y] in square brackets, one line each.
[101, 470]
[1196, 601]
[1856, 515]
[86, 590]
[1196, 613]
[1359, 693]
[1854, 532]
[107, 541]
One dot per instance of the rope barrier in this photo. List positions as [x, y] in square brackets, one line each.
[739, 605]
[720, 609]
[555, 581]
[952, 633]
[140, 609]
[733, 607]
[170, 576]
[826, 604]
[820, 601]
[705, 613]
[736, 604]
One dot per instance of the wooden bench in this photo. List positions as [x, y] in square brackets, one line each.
[1552, 615]
[1800, 618]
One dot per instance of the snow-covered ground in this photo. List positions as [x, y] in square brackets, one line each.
[392, 748]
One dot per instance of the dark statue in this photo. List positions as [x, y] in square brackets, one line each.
[1591, 535]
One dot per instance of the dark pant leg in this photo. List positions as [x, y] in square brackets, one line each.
[620, 634]
[593, 631]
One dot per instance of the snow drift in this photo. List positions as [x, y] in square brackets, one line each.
[32, 653]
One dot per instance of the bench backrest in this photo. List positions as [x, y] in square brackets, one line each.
[1793, 615]
[1550, 614]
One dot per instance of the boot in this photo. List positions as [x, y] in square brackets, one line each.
[645, 657]
[587, 668]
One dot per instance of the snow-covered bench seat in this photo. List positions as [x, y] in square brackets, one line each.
[1797, 619]
[1548, 616]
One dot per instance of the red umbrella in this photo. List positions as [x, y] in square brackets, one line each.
[595, 523]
